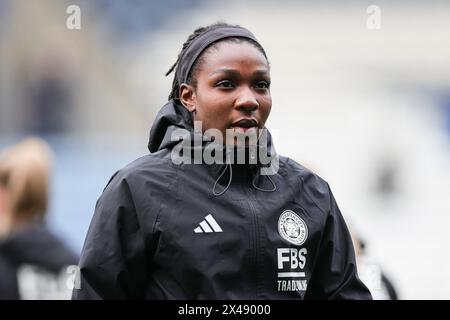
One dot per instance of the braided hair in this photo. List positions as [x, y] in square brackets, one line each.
[191, 79]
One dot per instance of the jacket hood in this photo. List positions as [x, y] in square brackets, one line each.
[171, 117]
[174, 116]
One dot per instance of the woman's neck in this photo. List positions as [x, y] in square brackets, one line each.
[9, 224]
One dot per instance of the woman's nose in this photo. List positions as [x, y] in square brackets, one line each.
[246, 101]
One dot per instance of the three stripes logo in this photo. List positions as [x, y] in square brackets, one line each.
[208, 225]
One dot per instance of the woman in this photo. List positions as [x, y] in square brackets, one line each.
[33, 262]
[173, 225]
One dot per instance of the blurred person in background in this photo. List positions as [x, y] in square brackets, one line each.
[33, 261]
[370, 272]
[221, 229]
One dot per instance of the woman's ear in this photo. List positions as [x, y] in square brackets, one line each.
[187, 96]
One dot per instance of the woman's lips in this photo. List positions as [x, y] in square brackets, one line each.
[244, 125]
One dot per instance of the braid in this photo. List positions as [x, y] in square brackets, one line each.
[196, 33]
[199, 31]
[175, 85]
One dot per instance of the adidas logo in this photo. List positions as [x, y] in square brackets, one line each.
[208, 225]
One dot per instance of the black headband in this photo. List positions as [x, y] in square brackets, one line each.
[199, 44]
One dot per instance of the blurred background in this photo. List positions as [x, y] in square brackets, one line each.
[361, 96]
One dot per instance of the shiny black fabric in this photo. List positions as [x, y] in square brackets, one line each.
[150, 237]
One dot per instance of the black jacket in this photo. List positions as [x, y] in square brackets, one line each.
[159, 232]
[33, 265]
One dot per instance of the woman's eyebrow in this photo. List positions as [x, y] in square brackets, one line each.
[231, 72]
[261, 72]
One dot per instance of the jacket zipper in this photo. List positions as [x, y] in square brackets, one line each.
[255, 246]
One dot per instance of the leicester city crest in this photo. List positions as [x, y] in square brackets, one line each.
[292, 228]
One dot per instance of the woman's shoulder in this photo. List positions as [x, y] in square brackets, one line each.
[152, 161]
[144, 169]
[309, 182]
[300, 171]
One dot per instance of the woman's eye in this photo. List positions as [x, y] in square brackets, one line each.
[224, 84]
[263, 85]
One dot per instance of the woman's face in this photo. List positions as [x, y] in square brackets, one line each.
[233, 89]
[3, 202]
[2, 198]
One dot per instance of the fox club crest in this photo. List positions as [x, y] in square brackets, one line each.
[292, 228]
